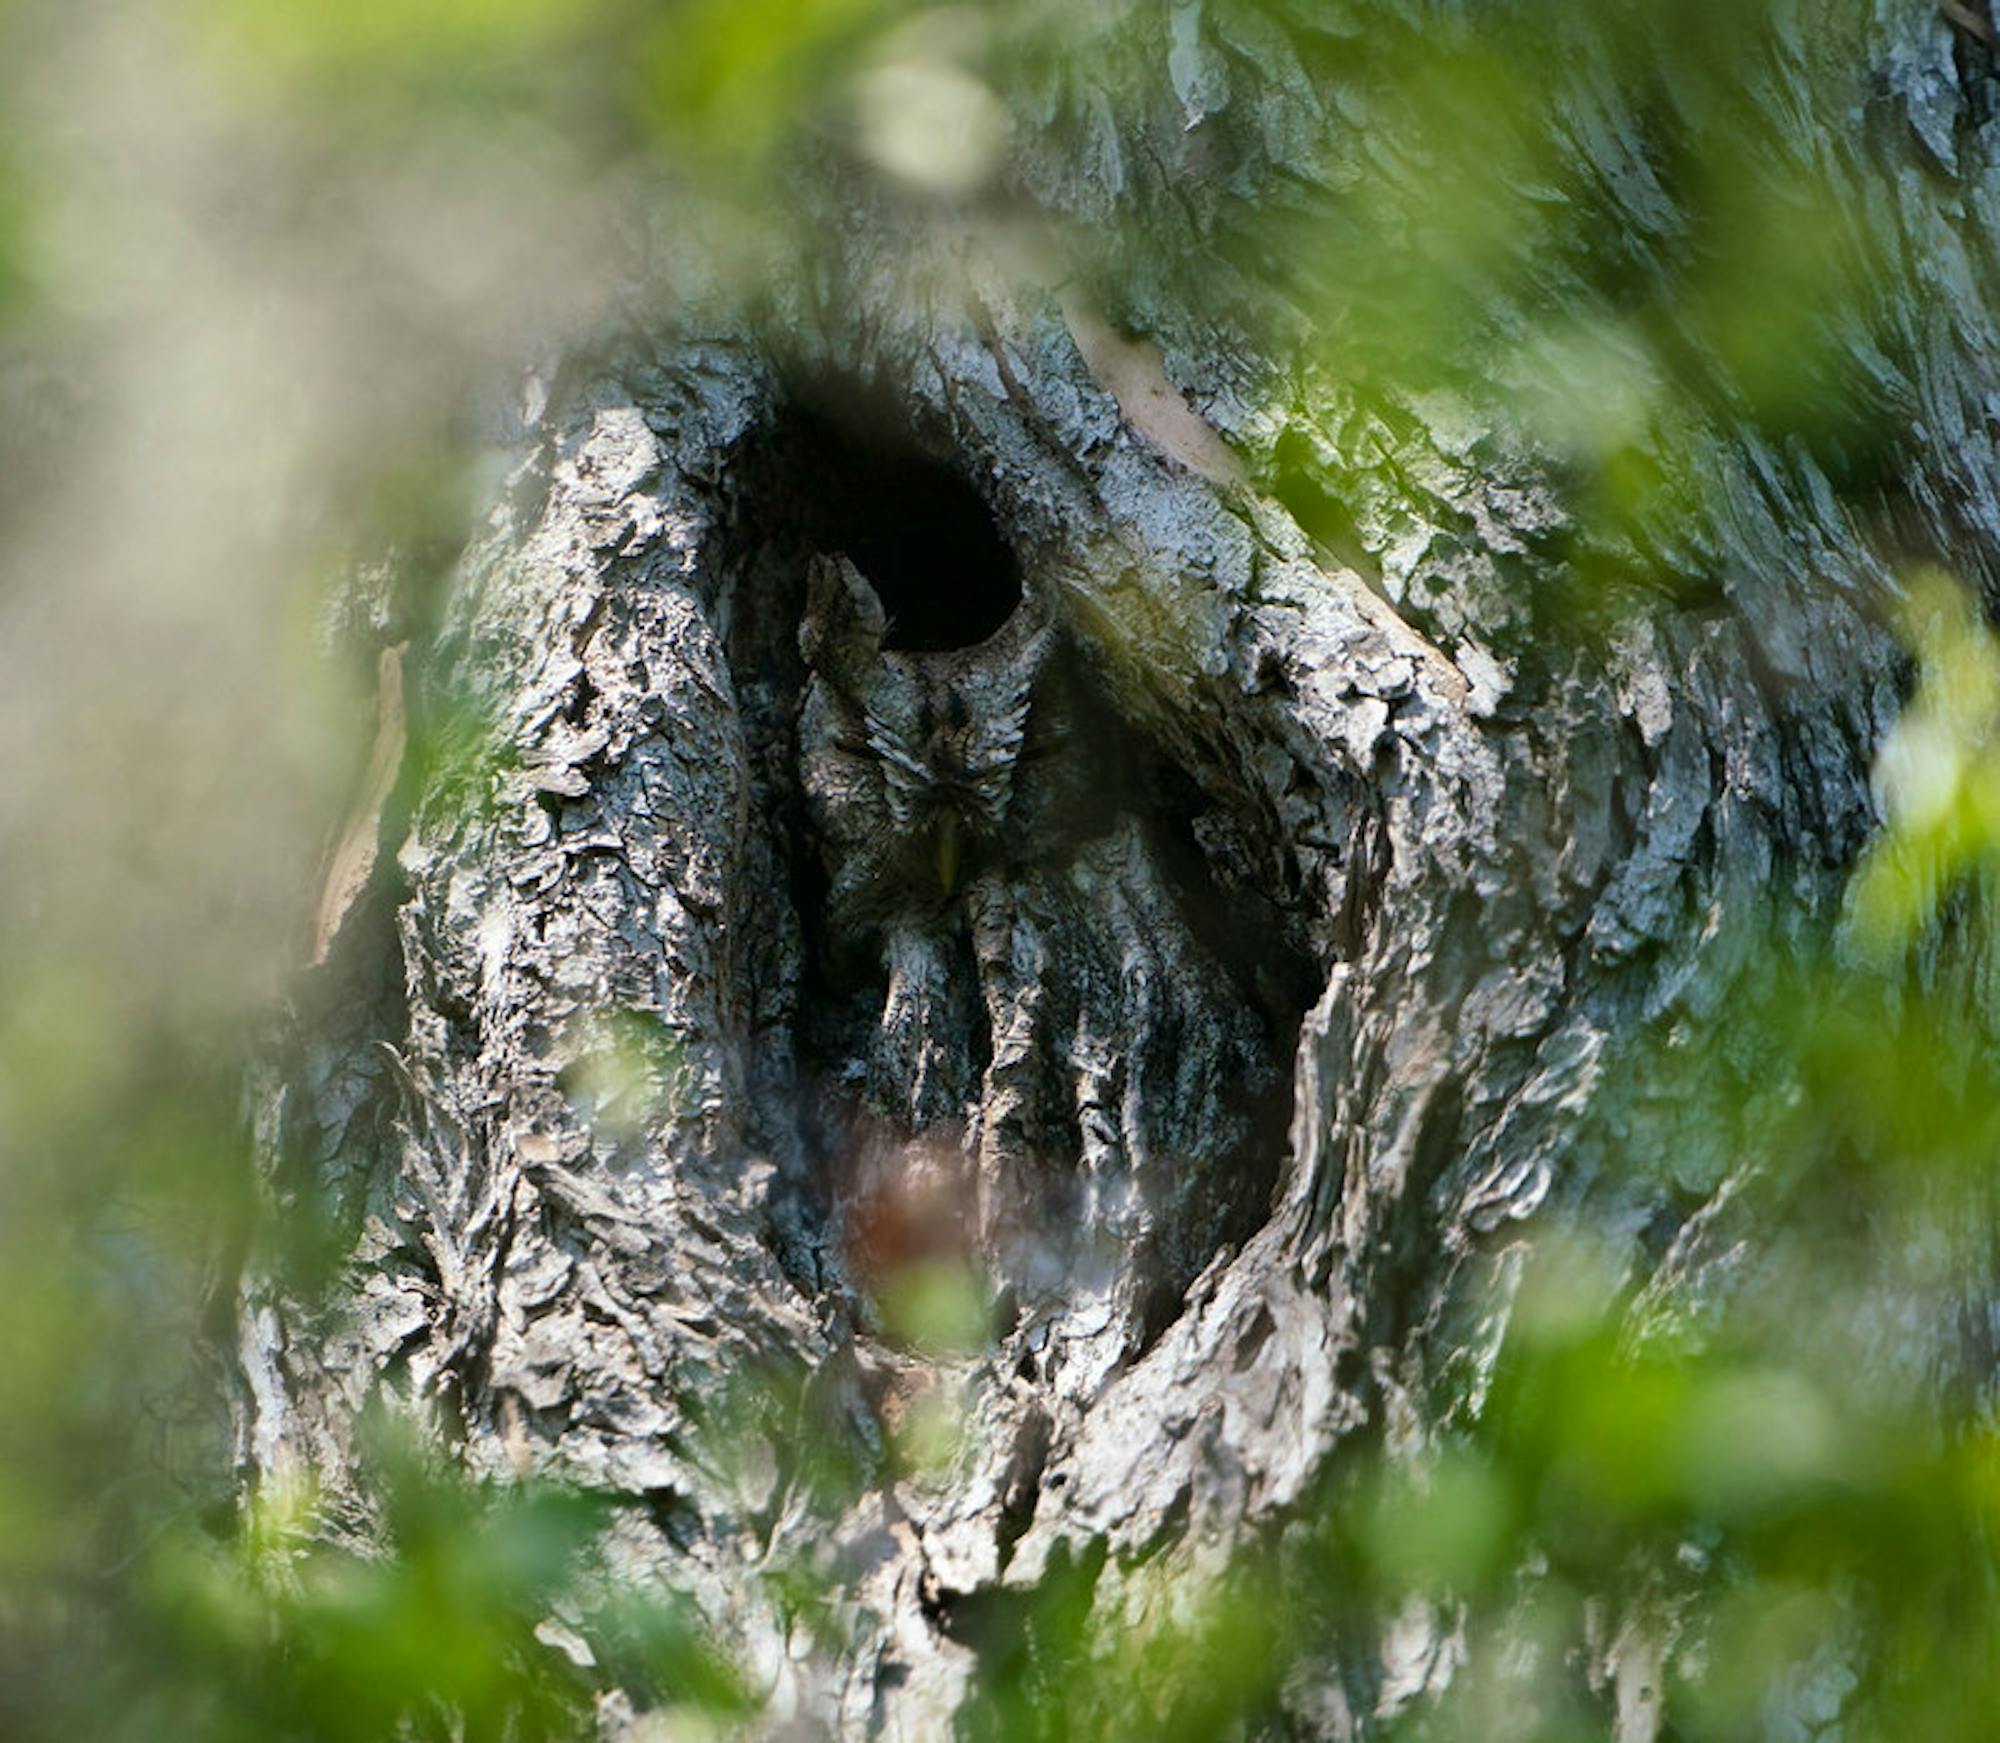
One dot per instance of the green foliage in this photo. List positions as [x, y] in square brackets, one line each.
[937, 1306]
[738, 77]
[1639, 229]
[448, 1628]
[627, 1070]
[1940, 779]
[421, 70]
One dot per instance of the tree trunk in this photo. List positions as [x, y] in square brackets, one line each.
[986, 950]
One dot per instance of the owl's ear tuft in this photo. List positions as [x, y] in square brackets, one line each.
[1029, 630]
[841, 632]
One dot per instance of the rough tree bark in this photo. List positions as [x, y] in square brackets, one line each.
[1238, 1044]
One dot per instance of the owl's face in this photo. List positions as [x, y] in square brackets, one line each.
[912, 761]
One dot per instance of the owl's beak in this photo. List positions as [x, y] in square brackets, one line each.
[947, 851]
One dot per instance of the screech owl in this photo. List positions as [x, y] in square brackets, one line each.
[1033, 997]
[924, 774]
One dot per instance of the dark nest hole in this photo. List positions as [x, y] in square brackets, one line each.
[924, 537]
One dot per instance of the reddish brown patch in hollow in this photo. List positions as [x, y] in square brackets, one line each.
[904, 1202]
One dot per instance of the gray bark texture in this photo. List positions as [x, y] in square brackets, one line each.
[950, 786]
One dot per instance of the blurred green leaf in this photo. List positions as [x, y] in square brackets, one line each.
[937, 1306]
[1628, 228]
[734, 78]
